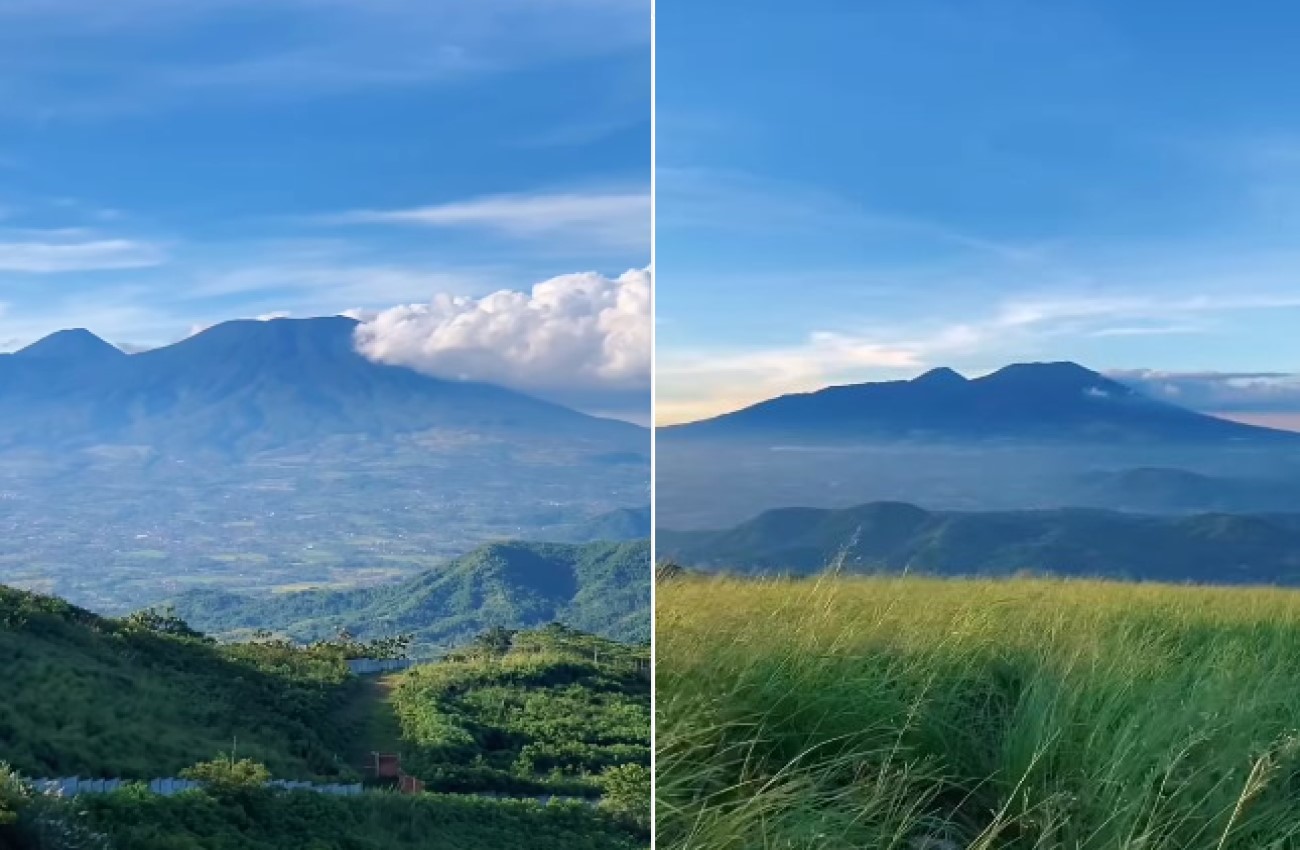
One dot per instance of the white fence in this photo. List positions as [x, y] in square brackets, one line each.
[71, 786]
[363, 666]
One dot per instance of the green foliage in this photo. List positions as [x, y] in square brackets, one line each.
[534, 711]
[48, 823]
[627, 789]
[30, 821]
[602, 588]
[898, 713]
[545, 711]
[277, 820]
[13, 795]
[495, 642]
[144, 697]
[227, 774]
[163, 621]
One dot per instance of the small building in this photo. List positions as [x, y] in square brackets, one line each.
[387, 765]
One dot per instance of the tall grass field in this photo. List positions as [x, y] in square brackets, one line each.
[901, 713]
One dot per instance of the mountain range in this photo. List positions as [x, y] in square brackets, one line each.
[1039, 401]
[257, 456]
[247, 385]
[603, 588]
[896, 537]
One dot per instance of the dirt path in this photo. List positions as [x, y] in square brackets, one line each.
[375, 719]
[372, 715]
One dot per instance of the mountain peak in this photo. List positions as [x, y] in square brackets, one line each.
[1052, 401]
[1058, 370]
[940, 375]
[71, 344]
[1055, 377]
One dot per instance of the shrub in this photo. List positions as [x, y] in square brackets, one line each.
[627, 789]
[227, 774]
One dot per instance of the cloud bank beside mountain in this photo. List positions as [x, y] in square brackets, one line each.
[1271, 399]
[580, 339]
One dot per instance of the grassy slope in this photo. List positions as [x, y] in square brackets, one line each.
[893, 713]
[88, 696]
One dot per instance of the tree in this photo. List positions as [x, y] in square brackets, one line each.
[627, 794]
[162, 621]
[14, 794]
[396, 646]
[495, 641]
[226, 774]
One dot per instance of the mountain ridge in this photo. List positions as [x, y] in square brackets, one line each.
[246, 385]
[600, 587]
[1218, 548]
[1045, 400]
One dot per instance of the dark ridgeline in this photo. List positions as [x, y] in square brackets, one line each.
[247, 385]
[1217, 548]
[1023, 401]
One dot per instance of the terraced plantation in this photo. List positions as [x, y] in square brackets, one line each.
[550, 713]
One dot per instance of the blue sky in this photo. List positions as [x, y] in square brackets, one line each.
[167, 165]
[854, 192]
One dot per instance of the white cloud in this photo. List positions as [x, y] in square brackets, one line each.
[47, 257]
[694, 384]
[619, 219]
[573, 333]
[1240, 392]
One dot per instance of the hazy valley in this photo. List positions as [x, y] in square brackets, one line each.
[270, 455]
[297, 507]
[1029, 437]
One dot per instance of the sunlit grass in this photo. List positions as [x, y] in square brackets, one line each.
[918, 713]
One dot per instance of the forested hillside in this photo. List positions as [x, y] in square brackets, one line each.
[144, 696]
[602, 588]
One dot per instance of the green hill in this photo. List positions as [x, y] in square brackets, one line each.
[547, 710]
[896, 537]
[97, 697]
[602, 588]
[554, 711]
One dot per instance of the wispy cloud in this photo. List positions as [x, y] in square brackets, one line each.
[698, 199]
[614, 219]
[50, 257]
[137, 56]
[696, 384]
[708, 381]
